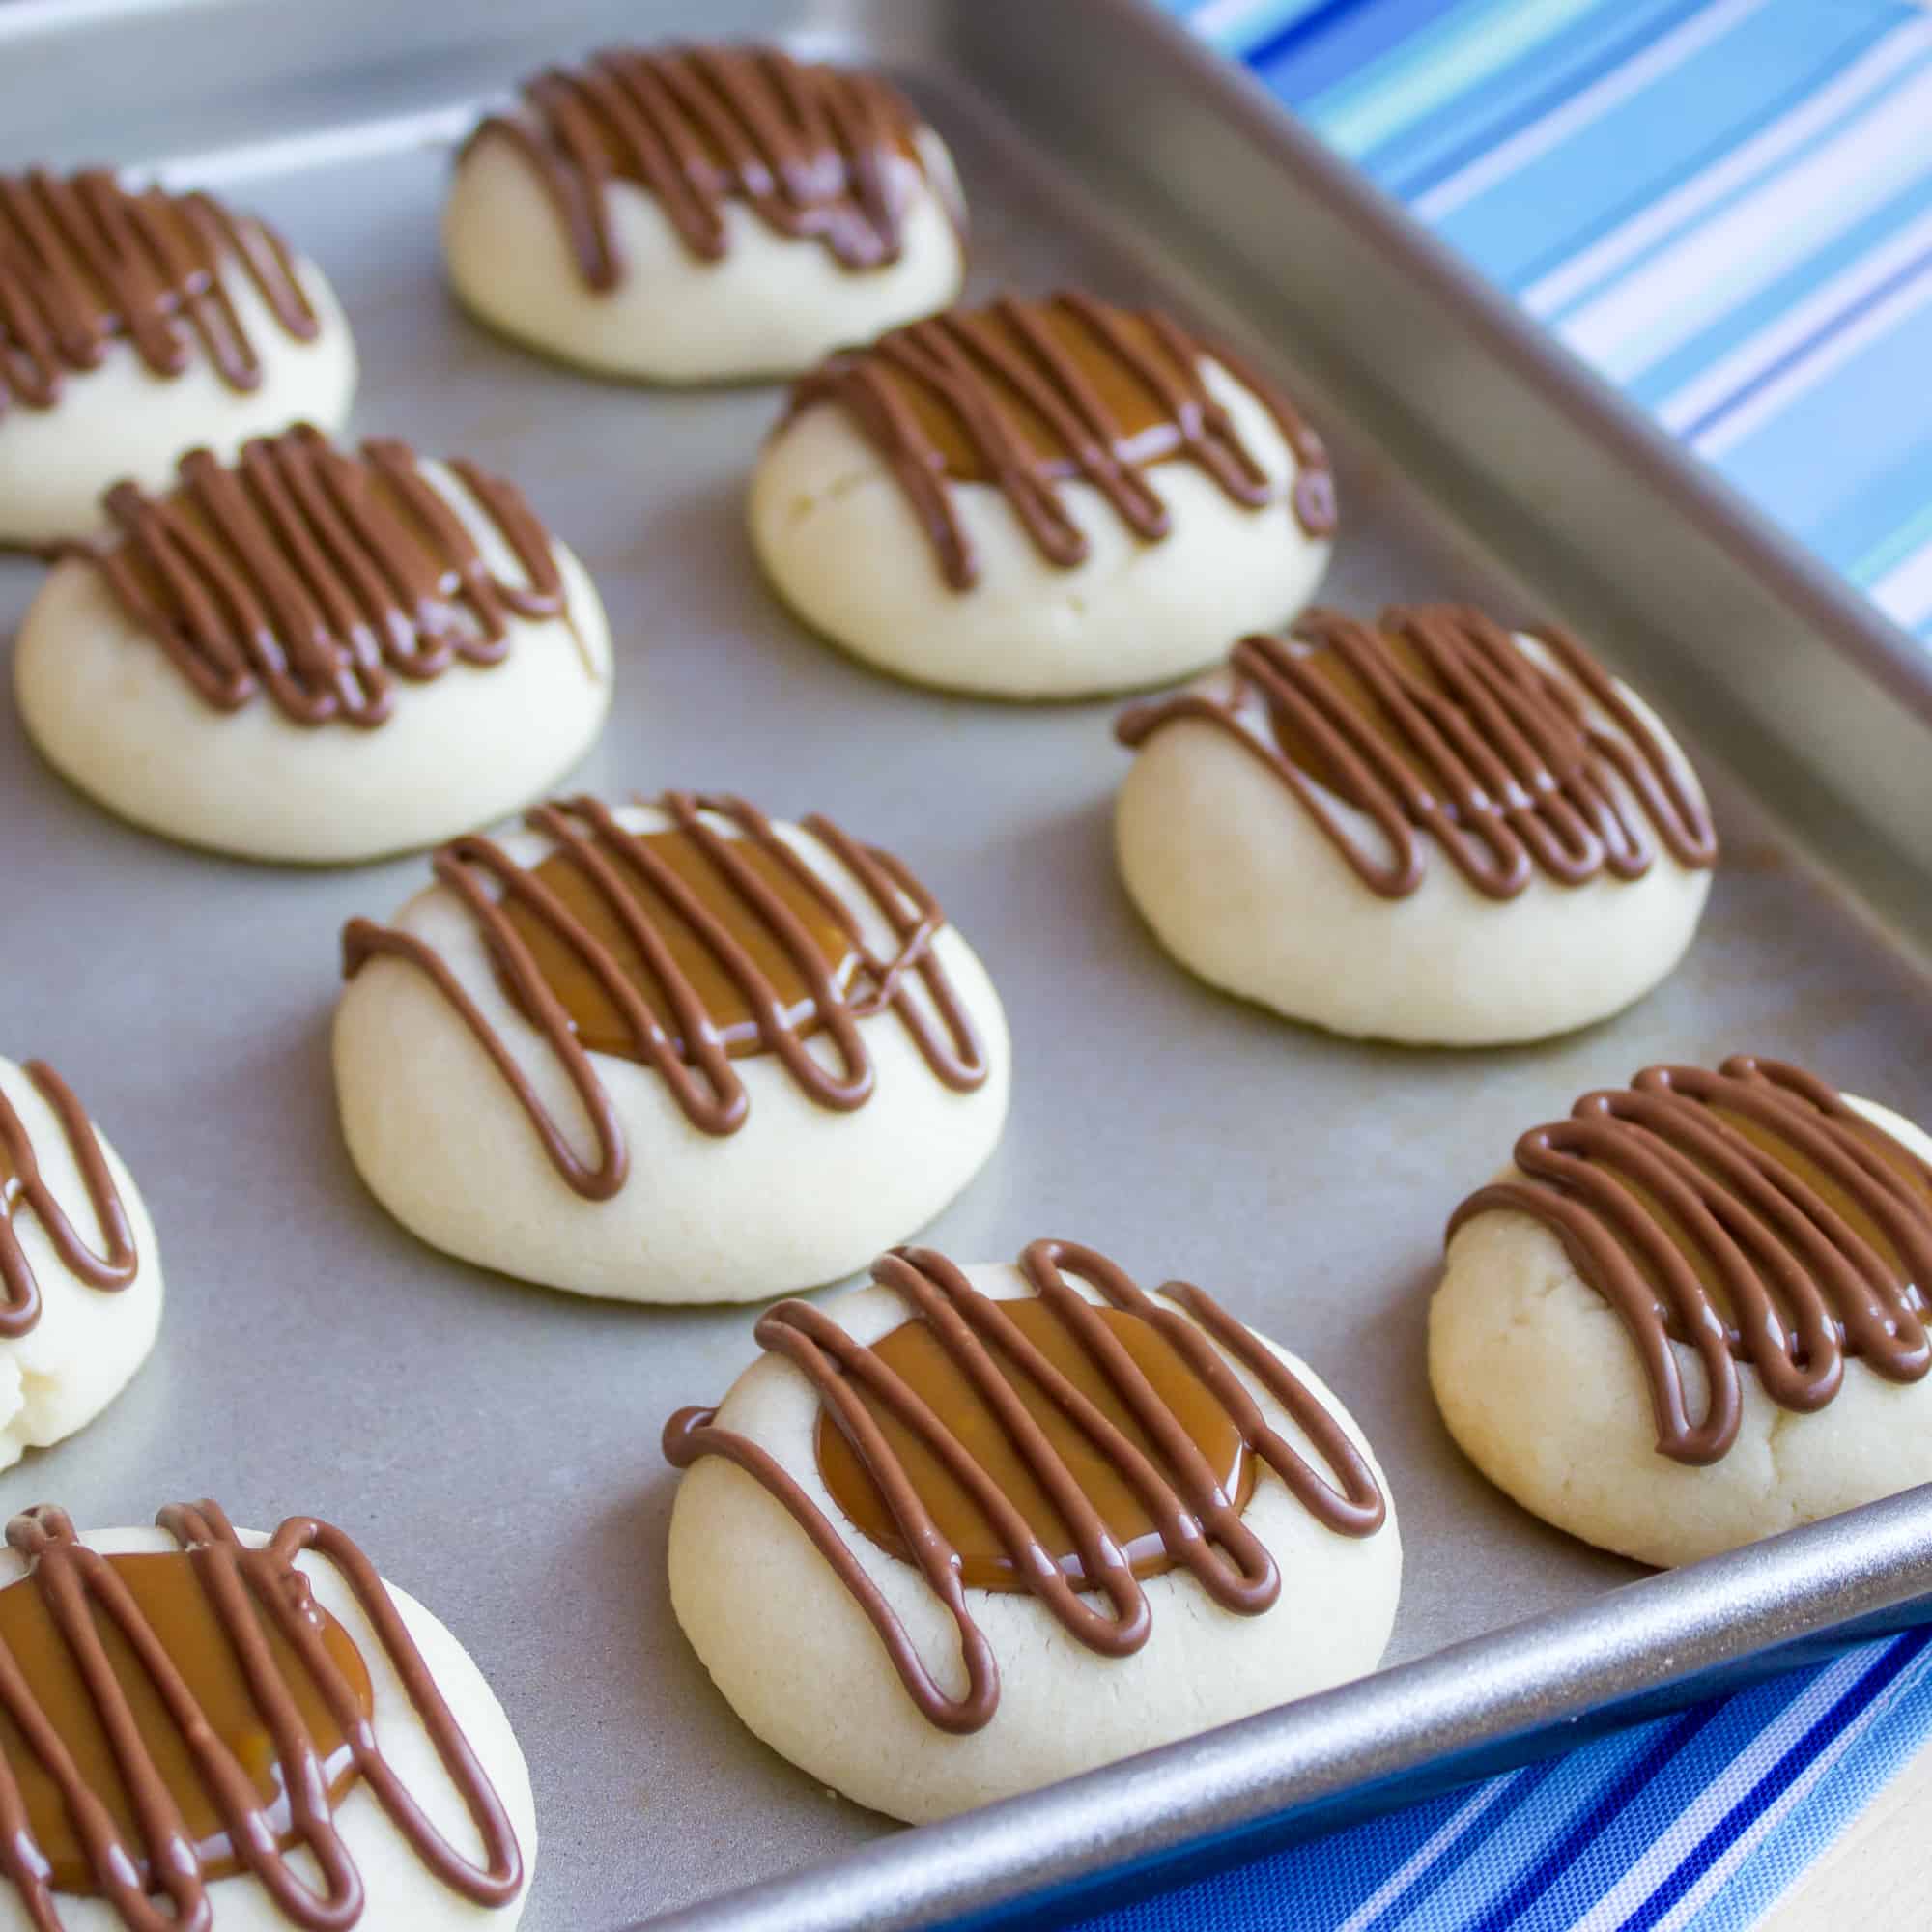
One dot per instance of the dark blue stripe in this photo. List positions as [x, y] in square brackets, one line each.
[1529, 1783]
[1816, 340]
[1777, 1781]
[1526, 113]
[1338, 42]
[1530, 1885]
[1286, 38]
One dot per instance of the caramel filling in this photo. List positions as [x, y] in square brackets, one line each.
[1143, 417]
[407, 582]
[1846, 1206]
[914, 1352]
[169, 1597]
[1396, 677]
[719, 913]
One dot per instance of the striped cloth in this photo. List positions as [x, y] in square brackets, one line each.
[1725, 206]
[1690, 1824]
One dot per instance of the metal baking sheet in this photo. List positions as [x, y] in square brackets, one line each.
[495, 1446]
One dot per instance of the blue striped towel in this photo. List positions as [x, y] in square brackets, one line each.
[1726, 206]
[1689, 1824]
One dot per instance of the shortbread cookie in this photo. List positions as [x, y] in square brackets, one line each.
[1693, 1313]
[136, 323]
[691, 214]
[81, 1272]
[671, 1052]
[1040, 500]
[298, 1743]
[970, 1530]
[1429, 830]
[314, 656]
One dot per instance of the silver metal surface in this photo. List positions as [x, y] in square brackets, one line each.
[495, 1446]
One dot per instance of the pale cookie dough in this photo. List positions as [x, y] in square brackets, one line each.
[1542, 1387]
[799, 1193]
[1238, 882]
[845, 546]
[401, 1892]
[792, 1652]
[112, 710]
[88, 1341]
[765, 303]
[120, 419]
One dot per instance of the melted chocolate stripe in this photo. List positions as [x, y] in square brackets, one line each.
[320, 577]
[242, 1587]
[1000, 376]
[819, 153]
[22, 1187]
[1201, 1531]
[699, 1074]
[1801, 1288]
[1468, 742]
[84, 262]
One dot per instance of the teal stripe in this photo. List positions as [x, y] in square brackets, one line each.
[1646, 146]
[1907, 540]
[1347, 37]
[1435, 66]
[1475, 121]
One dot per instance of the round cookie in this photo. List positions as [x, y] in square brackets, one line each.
[316, 657]
[163, 321]
[922, 1707]
[1040, 500]
[467, 1867]
[694, 214]
[1316, 827]
[671, 1052]
[80, 1270]
[1553, 1367]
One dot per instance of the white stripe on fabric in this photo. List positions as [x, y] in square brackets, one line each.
[1219, 18]
[1904, 594]
[1715, 266]
[1775, 397]
[1724, 1867]
[1439, 1842]
[1746, 362]
[1583, 109]
[1687, 1831]
[1670, 211]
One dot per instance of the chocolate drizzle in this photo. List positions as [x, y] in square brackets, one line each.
[622, 877]
[85, 262]
[128, 1689]
[24, 1190]
[820, 153]
[1028, 395]
[1436, 723]
[1200, 1528]
[1748, 1214]
[320, 578]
